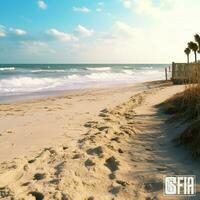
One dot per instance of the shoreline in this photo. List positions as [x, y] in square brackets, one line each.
[29, 125]
[12, 99]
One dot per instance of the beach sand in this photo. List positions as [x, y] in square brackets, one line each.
[99, 144]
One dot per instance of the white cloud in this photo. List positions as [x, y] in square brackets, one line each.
[42, 5]
[18, 32]
[83, 31]
[124, 29]
[101, 3]
[34, 43]
[100, 6]
[35, 47]
[127, 3]
[99, 9]
[62, 36]
[81, 9]
[2, 31]
[148, 7]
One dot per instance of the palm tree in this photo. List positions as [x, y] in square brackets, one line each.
[197, 39]
[194, 47]
[187, 52]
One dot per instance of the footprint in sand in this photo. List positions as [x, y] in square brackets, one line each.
[55, 181]
[103, 115]
[112, 163]
[153, 186]
[95, 151]
[65, 148]
[115, 190]
[116, 139]
[89, 163]
[39, 176]
[90, 124]
[91, 198]
[120, 150]
[151, 198]
[123, 183]
[102, 128]
[59, 168]
[104, 110]
[112, 176]
[5, 192]
[78, 156]
[37, 195]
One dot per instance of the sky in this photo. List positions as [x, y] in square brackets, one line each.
[97, 31]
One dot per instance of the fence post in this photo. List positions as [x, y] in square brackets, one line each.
[173, 71]
[166, 73]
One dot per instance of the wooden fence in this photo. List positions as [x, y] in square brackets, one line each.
[184, 72]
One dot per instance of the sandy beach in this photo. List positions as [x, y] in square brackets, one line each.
[93, 144]
[30, 125]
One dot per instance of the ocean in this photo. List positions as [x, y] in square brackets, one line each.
[27, 79]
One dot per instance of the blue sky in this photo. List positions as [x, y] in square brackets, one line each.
[92, 31]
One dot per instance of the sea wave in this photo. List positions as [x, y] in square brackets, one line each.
[146, 68]
[47, 70]
[98, 68]
[7, 68]
[127, 67]
[127, 71]
[28, 83]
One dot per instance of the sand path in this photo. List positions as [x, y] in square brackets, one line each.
[123, 155]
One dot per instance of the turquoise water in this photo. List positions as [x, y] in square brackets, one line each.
[26, 79]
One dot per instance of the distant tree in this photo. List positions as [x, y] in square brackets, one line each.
[197, 39]
[194, 47]
[187, 52]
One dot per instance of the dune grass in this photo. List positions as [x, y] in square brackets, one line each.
[186, 105]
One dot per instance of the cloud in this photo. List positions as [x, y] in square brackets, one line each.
[2, 31]
[100, 6]
[35, 47]
[125, 29]
[34, 43]
[18, 32]
[83, 31]
[101, 3]
[42, 5]
[148, 7]
[81, 9]
[61, 36]
[99, 9]
[121, 43]
[127, 3]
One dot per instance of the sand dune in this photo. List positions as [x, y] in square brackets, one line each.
[123, 154]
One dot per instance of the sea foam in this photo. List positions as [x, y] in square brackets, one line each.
[27, 79]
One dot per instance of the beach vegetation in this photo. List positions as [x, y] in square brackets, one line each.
[197, 40]
[194, 47]
[185, 106]
[187, 52]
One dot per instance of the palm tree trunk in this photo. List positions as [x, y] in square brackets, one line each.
[188, 59]
[195, 54]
